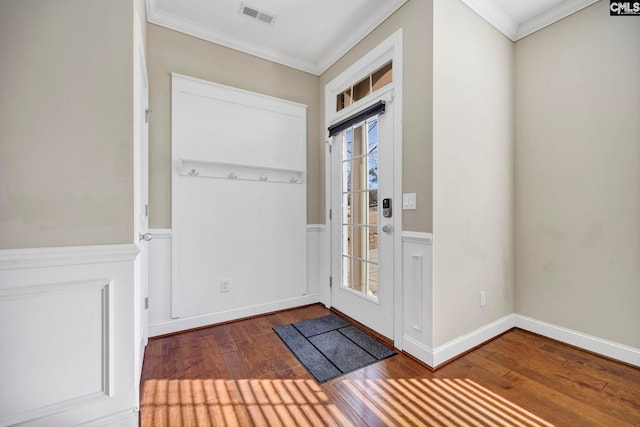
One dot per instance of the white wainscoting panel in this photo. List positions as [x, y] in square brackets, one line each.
[66, 327]
[159, 279]
[318, 261]
[417, 255]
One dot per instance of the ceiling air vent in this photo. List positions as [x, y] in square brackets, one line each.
[258, 14]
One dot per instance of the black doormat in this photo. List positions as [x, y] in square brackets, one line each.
[329, 346]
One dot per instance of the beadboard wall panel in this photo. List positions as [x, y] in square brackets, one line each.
[160, 319]
[238, 202]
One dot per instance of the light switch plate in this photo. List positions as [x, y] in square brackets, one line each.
[409, 201]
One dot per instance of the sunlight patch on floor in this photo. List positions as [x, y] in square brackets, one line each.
[412, 401]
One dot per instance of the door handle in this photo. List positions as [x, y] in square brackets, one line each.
[146, 236]
[387, 228]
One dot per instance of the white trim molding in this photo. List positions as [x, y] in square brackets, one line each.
[127, 417]
[177, 325]
[160, 233]
[564, 9]
[11, 259]
[464, 343]
[316, 228]
[494, 15]
[417, 237]
[504, 23]
[587, 342]
[458, 346]
[358, 34]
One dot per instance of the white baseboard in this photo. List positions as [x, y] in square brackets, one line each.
[460, 345]
[178, 325]
[587, 342]
[125, 418]
[418, 350]
[464, 343]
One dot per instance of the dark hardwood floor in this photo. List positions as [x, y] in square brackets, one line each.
[242, 374]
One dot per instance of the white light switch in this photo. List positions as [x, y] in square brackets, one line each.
[409, 201]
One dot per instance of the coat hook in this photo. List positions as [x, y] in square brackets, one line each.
[264, 178]
[193, 172]
[232, 176]
[293, 180]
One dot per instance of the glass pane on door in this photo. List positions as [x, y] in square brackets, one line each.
[360, 208]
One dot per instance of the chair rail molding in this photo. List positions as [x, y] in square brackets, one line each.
[11, 259]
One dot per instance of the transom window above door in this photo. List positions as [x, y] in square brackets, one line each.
[366, 86]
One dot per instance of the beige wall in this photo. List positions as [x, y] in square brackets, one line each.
[66, 129]
[472, 173]
[578, 175]
[415, 18]
[172, 52]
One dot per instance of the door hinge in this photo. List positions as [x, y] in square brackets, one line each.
[146, 210]
[330, 282]
[330, 214]
[146, 303]
[146, 115]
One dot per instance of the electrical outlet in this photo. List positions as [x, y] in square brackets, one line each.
[225, 285]
[483, 298]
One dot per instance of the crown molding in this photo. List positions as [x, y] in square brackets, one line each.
[552, 15]
[186, 26]
[359, 33]
[486, 9]
[495, 16]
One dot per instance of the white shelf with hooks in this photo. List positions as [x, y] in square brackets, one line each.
[221, 170]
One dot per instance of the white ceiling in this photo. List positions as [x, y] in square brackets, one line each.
[311, 35]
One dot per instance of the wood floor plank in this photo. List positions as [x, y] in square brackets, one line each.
[223, 339]
[589, 414]
[241, 374]
[538, 405]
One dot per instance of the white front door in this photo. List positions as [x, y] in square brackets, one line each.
[362, 244]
